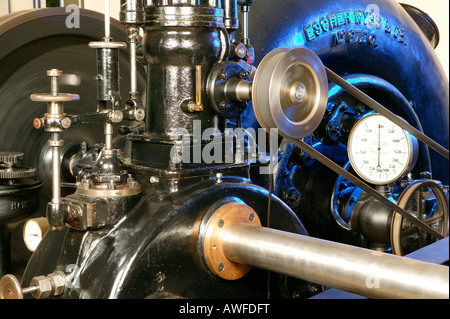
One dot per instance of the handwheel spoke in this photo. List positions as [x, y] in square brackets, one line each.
[409, 231]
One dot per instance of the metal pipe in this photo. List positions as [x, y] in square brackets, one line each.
[354, 269]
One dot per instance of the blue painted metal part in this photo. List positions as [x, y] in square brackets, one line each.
[387, 44]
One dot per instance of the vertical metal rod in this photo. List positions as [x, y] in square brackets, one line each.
[56, 169]
[133, 70]
[245, 25]
[54, 85]
[133, 38]
[198, 84]
[108, 136]
[107, 20]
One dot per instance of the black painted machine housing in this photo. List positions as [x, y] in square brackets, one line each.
[135, 224]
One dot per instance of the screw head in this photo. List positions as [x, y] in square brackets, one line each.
[37, 123]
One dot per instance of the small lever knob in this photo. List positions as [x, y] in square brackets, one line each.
[41, 287]
[54, 96]
[10, 288]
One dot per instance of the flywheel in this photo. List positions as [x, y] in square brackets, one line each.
[32, 42]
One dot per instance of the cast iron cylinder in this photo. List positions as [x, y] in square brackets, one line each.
[178, 39]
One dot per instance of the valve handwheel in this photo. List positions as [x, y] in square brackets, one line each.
[10, 288]
[407, 237]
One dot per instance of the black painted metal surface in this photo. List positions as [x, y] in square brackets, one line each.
[152, 251]
[350, 41]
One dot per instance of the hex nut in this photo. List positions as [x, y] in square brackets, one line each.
[44, 285]
[58, 283]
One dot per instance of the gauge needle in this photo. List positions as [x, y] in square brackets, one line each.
[379, 144]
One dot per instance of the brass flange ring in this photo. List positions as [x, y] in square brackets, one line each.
[225, 216]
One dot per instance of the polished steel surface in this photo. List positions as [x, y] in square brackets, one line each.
[362, 271]
[290, 91]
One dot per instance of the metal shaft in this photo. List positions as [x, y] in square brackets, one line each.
[109, 130]
[357, 270]
[56, 170]
[107, 20]
[133, 70]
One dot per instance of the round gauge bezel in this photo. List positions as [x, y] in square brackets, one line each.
[413, 150]
[31, 226]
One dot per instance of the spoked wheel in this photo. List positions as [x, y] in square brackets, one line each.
[427, 202]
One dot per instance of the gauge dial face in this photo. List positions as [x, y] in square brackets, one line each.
[33, 232]
[380, 151]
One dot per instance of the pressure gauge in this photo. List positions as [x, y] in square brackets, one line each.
[33, 232]
[380, 151]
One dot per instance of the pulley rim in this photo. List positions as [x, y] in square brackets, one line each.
[290, 91]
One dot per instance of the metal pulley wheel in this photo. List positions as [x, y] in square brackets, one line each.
[290, 92]
[407, 237]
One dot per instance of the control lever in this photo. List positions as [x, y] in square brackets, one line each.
[55, 122]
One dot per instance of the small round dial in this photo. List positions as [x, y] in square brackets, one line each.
[380, 151]
[33, 232]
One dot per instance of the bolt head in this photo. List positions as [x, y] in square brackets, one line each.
[65, 123]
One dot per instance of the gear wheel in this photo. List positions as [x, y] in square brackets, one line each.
[8, 169]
